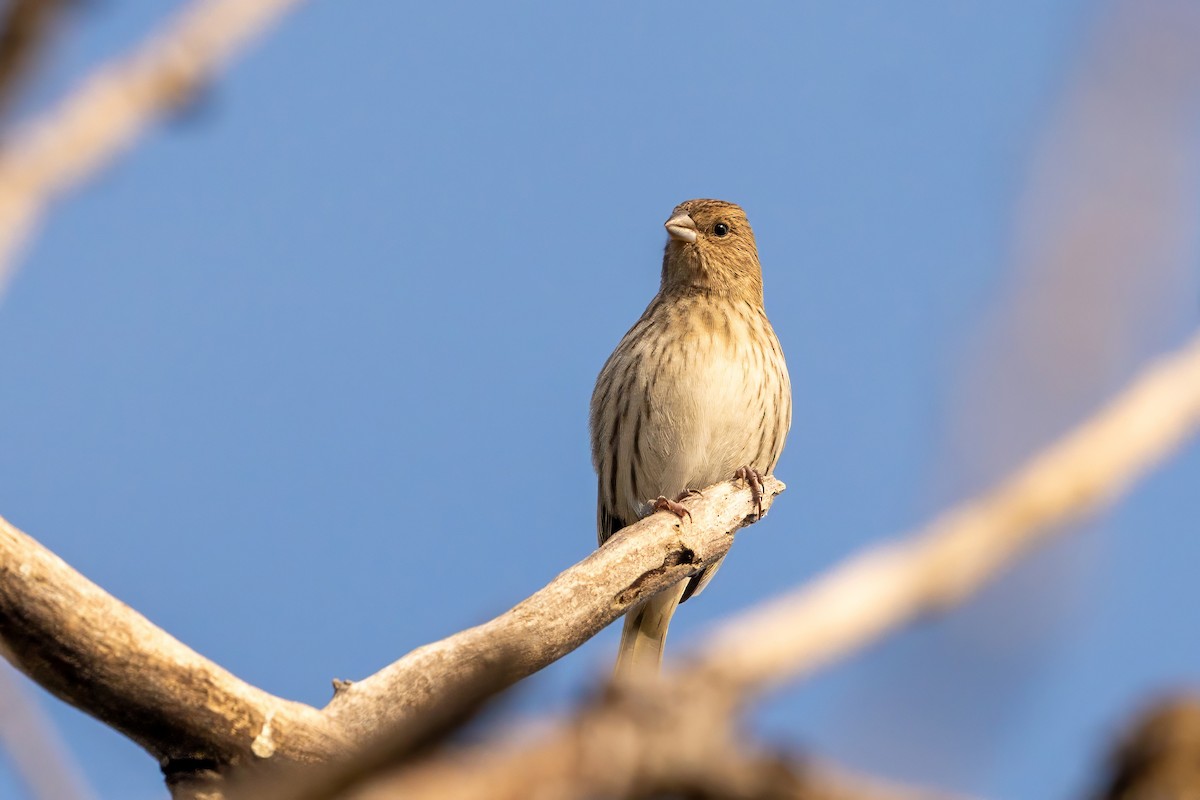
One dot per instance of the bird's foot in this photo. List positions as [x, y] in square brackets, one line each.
[754, 480]
[664, 504]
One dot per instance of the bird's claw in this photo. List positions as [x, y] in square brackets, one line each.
[665, 504]
[753, 479]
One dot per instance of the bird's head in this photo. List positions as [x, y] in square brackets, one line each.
[711, 248]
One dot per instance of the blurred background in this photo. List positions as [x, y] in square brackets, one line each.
[304, 377]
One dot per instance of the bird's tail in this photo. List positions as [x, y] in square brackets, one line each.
[645, 632]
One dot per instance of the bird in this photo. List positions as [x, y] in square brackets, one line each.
[696, 392]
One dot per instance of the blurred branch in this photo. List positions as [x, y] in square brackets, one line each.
[670, 737]
[115, 104]
[23, 32]
[943, 563]
[1099, 273]
[1159, 757]
[45, 767]
[642, 736]
[1103, 249]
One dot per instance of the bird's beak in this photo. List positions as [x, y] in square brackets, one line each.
[682, 227]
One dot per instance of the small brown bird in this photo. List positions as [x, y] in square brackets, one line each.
[696, 392]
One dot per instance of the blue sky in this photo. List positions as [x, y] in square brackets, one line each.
[304, 378]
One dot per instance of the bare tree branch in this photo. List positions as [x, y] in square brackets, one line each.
[106, 659]
[637, 563]
[115, 104]
[663, 730]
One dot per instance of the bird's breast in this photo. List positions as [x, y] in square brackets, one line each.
[707, 392]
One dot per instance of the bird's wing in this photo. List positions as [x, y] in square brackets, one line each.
[607, 522]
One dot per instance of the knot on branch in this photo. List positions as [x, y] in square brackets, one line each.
[678, 556]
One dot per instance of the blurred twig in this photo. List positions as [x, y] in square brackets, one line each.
[670, 738]
[115, 104]
[24, 27]
[941, 564]
[47, 157]
[46, 769]
[1104, 242]
[1100, 272]
[1159, 757]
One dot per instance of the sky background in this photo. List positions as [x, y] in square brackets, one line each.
[304, 377]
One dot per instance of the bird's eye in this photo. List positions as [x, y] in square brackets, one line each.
[720, 229]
